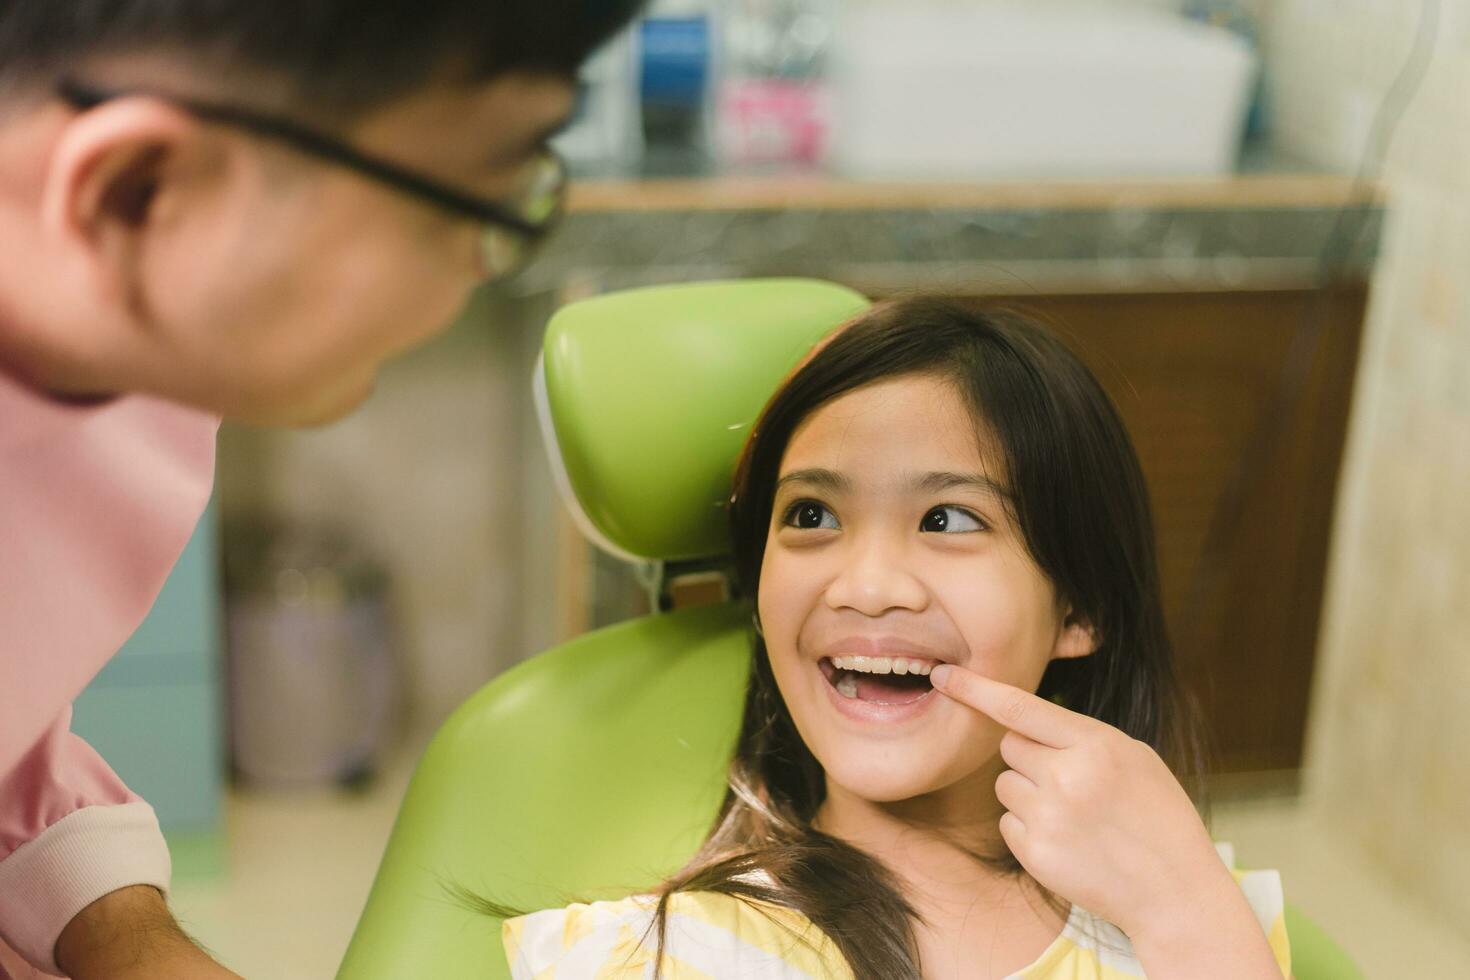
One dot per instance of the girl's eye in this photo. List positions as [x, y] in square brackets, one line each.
[954, 520]
[810, 516]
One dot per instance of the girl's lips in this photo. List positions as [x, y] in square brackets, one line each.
[903, 706]
[879, 646]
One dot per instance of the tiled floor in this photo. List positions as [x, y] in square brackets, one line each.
[300, 867]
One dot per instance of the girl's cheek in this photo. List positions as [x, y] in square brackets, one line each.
[1009, 647]
[986, 619]
[789, 590]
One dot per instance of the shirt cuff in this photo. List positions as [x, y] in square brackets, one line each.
[85, 855]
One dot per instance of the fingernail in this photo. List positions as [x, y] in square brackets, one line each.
[939, 675]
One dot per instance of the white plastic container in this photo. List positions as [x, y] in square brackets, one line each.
[1034, 90]
[607, 133]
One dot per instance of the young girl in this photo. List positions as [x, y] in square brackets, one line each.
[938, 514]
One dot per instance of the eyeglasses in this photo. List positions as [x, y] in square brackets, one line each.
[513, 227]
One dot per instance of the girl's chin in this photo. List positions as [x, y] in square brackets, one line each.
[878, 781]
[941, 762]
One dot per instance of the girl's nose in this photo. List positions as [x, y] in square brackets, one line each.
[874, 579]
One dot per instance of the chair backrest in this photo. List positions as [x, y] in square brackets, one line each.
[647, 396]
[595, 769]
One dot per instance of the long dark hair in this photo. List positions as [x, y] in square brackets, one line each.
[1080, 500]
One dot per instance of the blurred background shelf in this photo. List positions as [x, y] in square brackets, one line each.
[1276, 184]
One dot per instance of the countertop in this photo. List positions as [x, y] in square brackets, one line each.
[1275, 224]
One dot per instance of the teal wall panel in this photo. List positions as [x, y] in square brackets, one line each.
[155, 711]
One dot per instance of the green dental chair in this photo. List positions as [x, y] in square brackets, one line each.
[593, 770]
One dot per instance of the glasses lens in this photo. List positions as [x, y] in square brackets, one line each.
[538, 202]
[540, 194]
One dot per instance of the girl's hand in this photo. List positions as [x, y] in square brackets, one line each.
[1097, 817]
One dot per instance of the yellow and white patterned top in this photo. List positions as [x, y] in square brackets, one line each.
[711, 936]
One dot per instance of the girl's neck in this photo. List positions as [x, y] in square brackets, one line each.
[931, 842]
[974, 919]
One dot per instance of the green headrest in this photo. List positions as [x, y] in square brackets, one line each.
[646, 397]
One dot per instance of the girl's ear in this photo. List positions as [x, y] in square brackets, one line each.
[1076, 639]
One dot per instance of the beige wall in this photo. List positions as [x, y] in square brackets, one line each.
[1389, 740]
[424, 477]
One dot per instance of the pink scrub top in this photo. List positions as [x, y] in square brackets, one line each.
[96, 503]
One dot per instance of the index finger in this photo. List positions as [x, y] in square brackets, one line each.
[1020, 711]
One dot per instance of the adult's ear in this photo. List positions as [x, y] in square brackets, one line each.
[106, 180]
[1077, 638]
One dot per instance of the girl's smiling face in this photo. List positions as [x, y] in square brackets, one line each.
[891, 541]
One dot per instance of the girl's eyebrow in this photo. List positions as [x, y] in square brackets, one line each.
[829, 480]
[938, 482]
[927, 483]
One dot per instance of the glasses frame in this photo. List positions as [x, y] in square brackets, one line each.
[83, 96]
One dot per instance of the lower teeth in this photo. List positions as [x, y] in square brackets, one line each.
[847, 686]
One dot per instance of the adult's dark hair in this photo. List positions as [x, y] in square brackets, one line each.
[1079, 498]
[343, 55]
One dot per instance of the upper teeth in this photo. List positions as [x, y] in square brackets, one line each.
[883, 665]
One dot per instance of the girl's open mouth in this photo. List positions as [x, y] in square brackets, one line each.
[878, 680]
